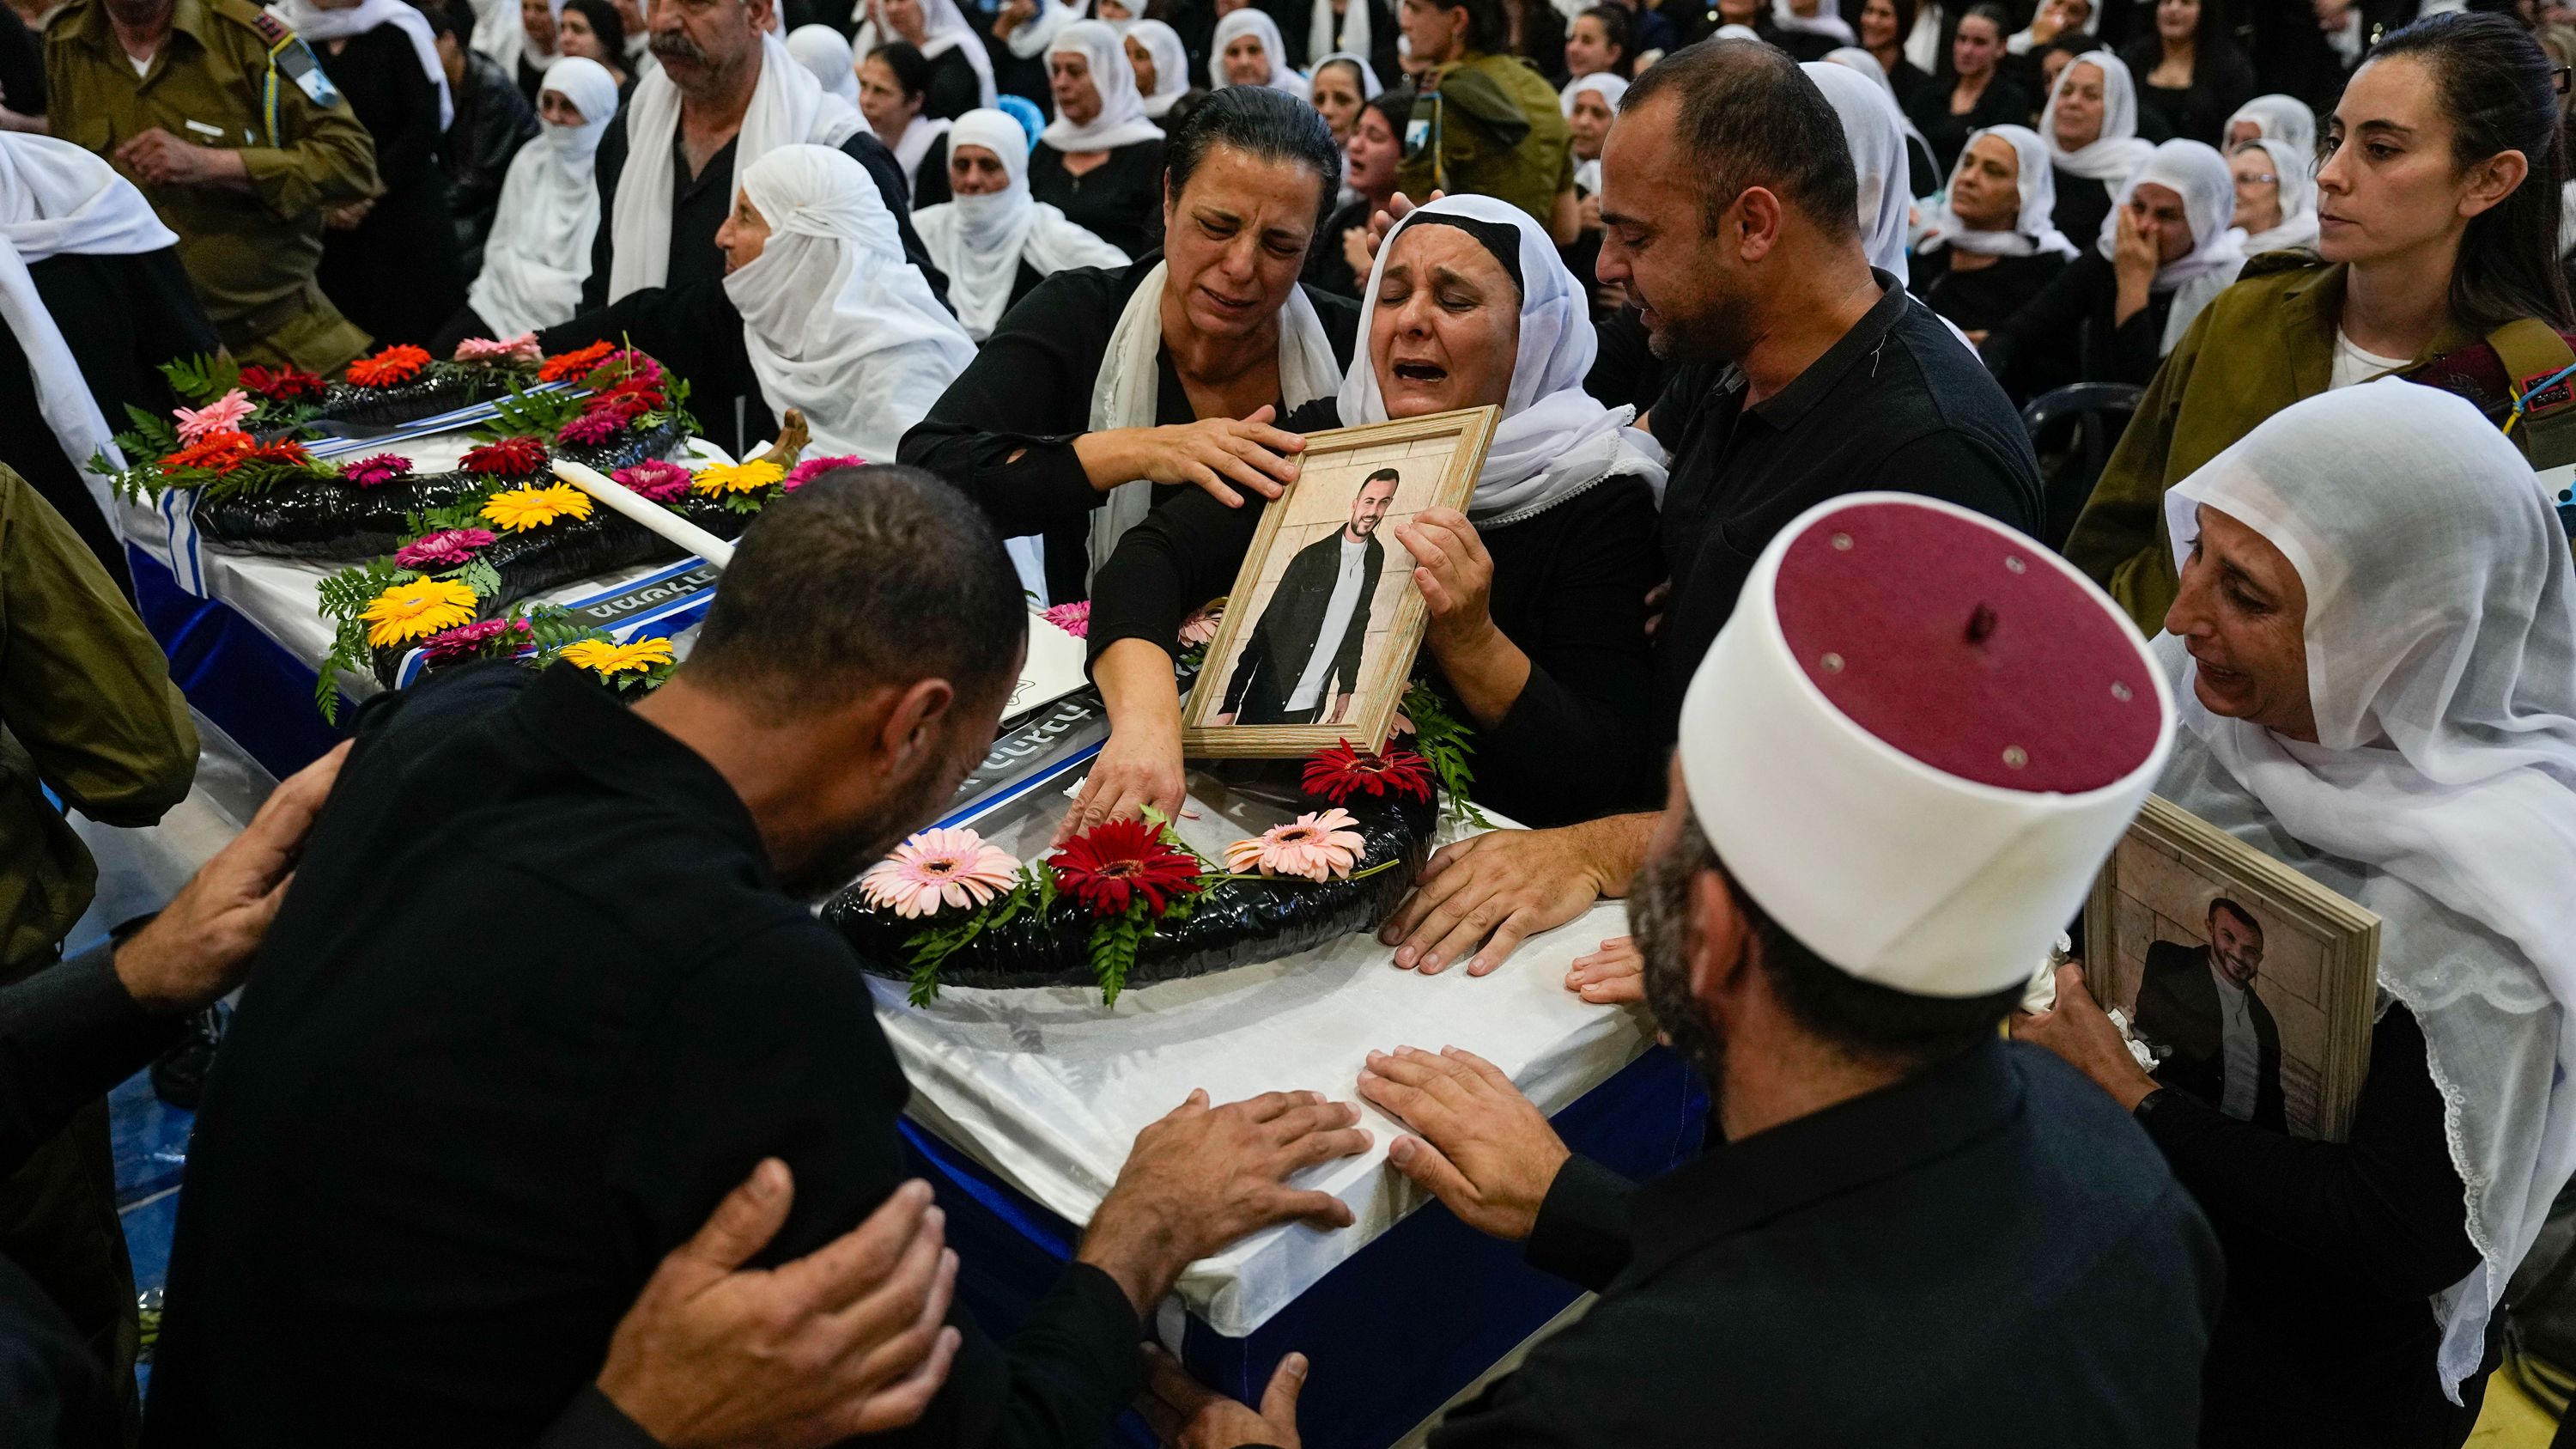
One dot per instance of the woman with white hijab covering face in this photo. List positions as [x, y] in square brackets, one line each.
[1876, 136]
[821, 50]
[2273, 176]
[995, 246]
[2374, 654]
[1256, 27]
[2090, 127]
[2286, 119]
[539, 252]
[1169, 58]
[943, 30]
[1533, 630]
[839, 326]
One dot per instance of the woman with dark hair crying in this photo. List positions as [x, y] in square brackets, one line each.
[2438, 202]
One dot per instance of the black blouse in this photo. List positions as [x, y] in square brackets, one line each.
[2083, 204]
[1326, 268]
[2222, 80]
[2077, 307]
[1569, 589]
[954, 86]
[398, 274]
[1004, 430]
[1987, 297]
[1119, 201]
[2003, 100]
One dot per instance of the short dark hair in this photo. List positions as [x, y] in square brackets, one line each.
[445, 20]
[607, 24]
[1750, 117]
[1268, 124]
[1489, 27]
[2233, 909]
[1381, 473]
[861, 578]
[2001, 19]
[911, 72]
[1395, 104]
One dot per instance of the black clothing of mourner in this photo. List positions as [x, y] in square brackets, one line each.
[697, 332]
[1984, 299]
[1004, 430]
[2333, 1249]
[2222, 79]
[492, 122]
[929, 180]
[2081, 303]
[1327, 269]
[1896, 404]
[1625, 370]
[396, 274]
[122, 317]
[563, 1005]
[2178, 1008]
[22, 66]
[1569, 589]
[1119, 201]
[2000, 102]
[1804, 45]
[954, 87]
[1984, 1256]
[1910, 82]
[1281, 647]
[2083, 204]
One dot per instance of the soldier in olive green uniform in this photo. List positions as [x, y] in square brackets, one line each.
[1485, 122]
[240, 141]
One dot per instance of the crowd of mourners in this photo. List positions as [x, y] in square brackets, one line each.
[550, 1116]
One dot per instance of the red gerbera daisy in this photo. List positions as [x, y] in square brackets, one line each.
[222, 452]
[1338, 773]
[572, 364]
[508, 458]
[392, 365]
[284, 384]
[1108, 866]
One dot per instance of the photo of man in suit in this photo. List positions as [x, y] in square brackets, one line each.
[1304, 656]
[2200, 1002]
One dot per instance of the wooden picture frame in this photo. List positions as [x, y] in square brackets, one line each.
[2160, 898]
[1382, 633]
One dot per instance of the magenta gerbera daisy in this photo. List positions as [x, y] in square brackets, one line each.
[654, 480]
[813, 468]
[1073, 618]
[475, 640]
[446, 549]
[376, 470]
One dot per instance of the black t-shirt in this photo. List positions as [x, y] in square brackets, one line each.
[535, 1002]
[1984, 298]
[1899, 403]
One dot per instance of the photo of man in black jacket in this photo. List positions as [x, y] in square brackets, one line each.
[1282, 677]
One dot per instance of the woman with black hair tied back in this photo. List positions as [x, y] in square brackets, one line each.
[2438, 206]
[2191, 73]
[894, 98]
[1601, 41]
[1109, 389]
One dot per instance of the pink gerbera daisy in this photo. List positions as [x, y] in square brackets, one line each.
[654, 480]
[471, 641]
[376, 470]
[1073, 618]
[522, 348]
[223, 415]
[813, 468]
[1319, 847]
[446, 549]
[939, 868]
[1200, 628]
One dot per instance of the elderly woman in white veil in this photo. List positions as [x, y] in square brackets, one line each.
[994, 241]
[539, 252]
[837, 324]
[2276, 196]
[1536, 632]
[1100, 160]
[2374, 652]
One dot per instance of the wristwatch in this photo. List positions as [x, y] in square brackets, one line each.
[2146, 1108]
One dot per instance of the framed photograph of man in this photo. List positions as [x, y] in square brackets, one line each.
[2251, 984]
[1321, 627]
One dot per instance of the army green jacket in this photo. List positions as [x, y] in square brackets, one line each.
[1490, 124]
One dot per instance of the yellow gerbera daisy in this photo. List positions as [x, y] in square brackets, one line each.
[417, 610]
[749, 477]
[603, 658]
[521, 509]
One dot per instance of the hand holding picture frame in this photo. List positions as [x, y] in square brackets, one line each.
[2253, 984]
[1324, 619]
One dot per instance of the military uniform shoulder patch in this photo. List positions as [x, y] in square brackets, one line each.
[295, 60]
[261, 23]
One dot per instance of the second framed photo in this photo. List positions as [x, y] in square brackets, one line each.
[1324, 619]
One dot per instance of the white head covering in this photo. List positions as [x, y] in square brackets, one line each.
[2034, 230]
[1369, 87]
[539, 251]
[1121, 121]
[838, 324]
[1947, 879]
[1351, 44]
[2298, 226]
[1036, 35]
[2441, 792]
[788, 107]
[820, 49]
[57, 198]
[1867, 64]
[1875, 132]
[943, 29]
[1609, 87]
[1171, 64]
[1249, 21]
[980, 241]
[2117, 151]
[501, 32]
[2022, 42]
[2280, 118]
[1827, 21]
[914, 144]
[2200, 177]
[316, 24]
[1554, 440]
[1737, 32]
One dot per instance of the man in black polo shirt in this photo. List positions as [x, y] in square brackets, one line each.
[545, 987]
[1730, 218]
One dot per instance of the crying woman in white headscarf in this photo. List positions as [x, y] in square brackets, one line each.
[2373, 651]
[1534, 590]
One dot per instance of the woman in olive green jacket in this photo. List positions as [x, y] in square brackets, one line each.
[2439, 211]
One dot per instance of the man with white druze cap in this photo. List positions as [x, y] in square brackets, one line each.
[1900, 767]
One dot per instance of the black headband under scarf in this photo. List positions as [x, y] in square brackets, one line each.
[1502, 240]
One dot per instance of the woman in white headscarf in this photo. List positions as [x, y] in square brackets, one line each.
[2374, 654]
[2286, 119]
[2090, 126]
[821, 50]
[1591, 103]
[539, 252]
[995, 242]
[1249, 50]
[1876, 135]
[838, 325]
[520, 36]
[1338, 85]
[961, 71]
[1155, 49]
[1100, 161]
[1809, 28]
[2165, 252]
[1533, 614]
[1992, 246]
[2276, 197]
